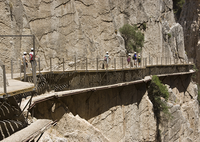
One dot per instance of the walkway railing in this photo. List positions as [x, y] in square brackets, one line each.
[16, 68]
[55, 64]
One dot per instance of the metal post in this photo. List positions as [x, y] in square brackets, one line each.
[11, 69]
[149, 59]
[20, 69]
[157, 60]
[50, 64]
[115, 63]
[4, 79]
[86, 64]
[122, 62]
[97, 64]
[34, 63]
[24, 63]
[39, 64]
[63, 64]
[75, 62]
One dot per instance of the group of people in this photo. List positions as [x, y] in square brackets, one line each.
[136, 59]
[25, 60]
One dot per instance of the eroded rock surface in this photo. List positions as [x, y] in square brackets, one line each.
[86, 28]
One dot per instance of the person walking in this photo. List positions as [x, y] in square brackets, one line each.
[135, 58]
[106, 59]
[139, 61]
[24, 60]
[128, 59]
[31, 59]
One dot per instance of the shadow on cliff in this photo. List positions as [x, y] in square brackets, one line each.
[181, 82]
[91, 104]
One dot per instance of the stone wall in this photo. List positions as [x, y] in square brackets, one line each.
[86, 28]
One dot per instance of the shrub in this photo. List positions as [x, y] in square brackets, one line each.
[134, 39]
[158, 94]
[177, 7]
[144, 25]
[169, 35]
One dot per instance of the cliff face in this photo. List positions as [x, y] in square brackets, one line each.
[125, 114]
[86, 28]
[189, 20]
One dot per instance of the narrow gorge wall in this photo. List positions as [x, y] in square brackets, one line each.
[124, 114]
[86, 28]
[189, 20]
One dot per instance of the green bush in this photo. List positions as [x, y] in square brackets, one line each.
[177, 7]
[144, 25]
[134, 39]
[158, 94]
[169, 35]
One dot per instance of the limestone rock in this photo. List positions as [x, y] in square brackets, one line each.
[85, 28]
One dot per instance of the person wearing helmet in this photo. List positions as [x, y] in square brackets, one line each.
[128, 59]
[31, 58]
[139, 60]
[135, 58]
[24, 60]
[106, 59]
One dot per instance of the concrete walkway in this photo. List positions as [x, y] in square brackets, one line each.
[16, 86]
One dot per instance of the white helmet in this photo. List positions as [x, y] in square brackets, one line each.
[31, 49]
[139, 55]
[25, 53]
[135, 52]
[107, 52]
[129, 54]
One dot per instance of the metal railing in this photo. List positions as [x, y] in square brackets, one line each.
[85, 64]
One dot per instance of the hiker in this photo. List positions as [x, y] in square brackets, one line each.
[106, 59]
[128, 59]
[139, 61]
[24, 60]
[135, 58]
[31, 58]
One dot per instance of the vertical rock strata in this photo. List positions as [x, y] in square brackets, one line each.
[189, 20]
[126, 114]
[86, 28]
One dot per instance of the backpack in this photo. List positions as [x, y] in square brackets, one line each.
[134, 56]
[31, 57]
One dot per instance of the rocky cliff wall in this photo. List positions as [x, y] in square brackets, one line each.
[86, 28]
[189, 20]
[124, 114]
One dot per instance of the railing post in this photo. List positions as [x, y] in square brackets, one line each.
[115, 63]
[63, 64]
[24, 63]
[20, 69]
[149, 60]
[122, 63]
[86, 64]
[4, 79]
[157, 61]
[97, 64]
[39, 64]
[11, 69]
[75, 62]
[50, 64]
